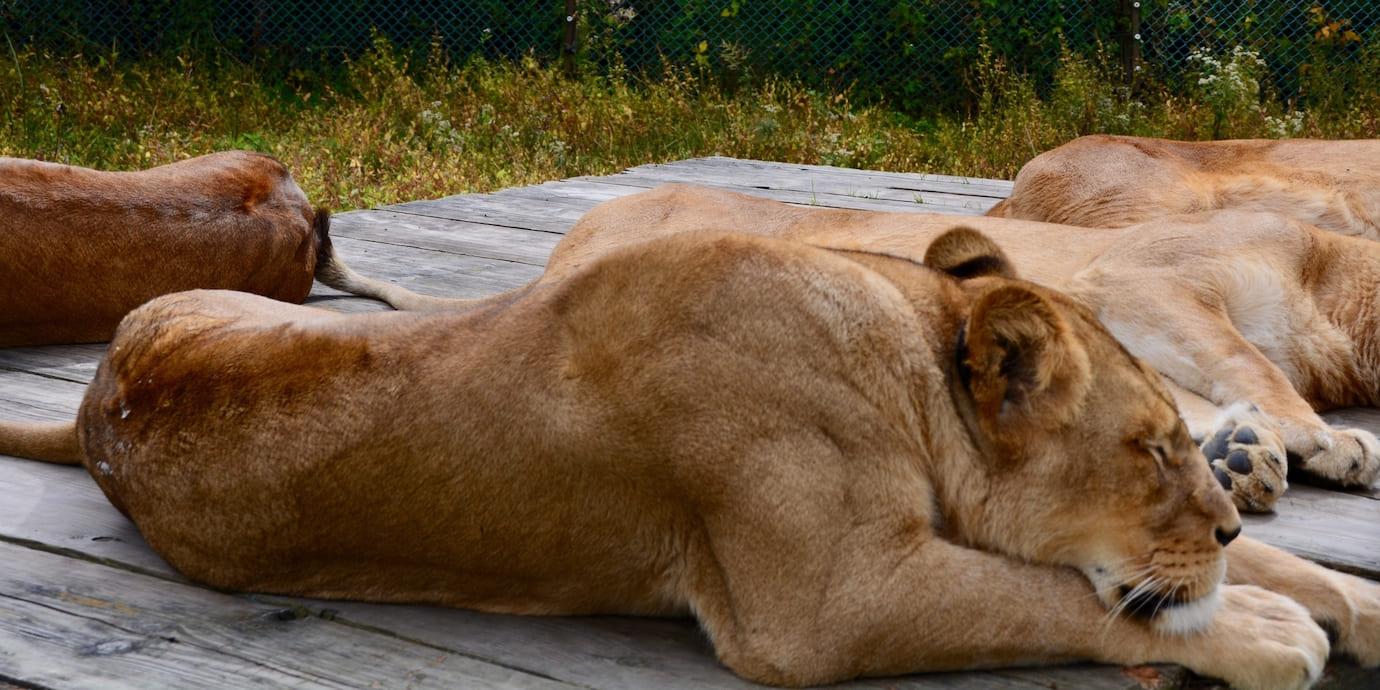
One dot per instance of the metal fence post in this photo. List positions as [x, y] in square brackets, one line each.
[1130, 40]
[570, 43]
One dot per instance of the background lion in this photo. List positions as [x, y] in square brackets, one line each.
[1106, 181]
[1256, 321]
[80, 248]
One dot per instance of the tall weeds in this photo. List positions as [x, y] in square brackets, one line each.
[391, 128]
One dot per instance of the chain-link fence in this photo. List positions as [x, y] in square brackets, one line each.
[904, 50]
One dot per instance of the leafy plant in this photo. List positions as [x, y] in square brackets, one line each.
[1229, 85]
[392, 127]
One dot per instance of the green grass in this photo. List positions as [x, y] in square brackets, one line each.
[389, 129]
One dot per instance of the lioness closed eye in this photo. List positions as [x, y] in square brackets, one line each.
[840, 462]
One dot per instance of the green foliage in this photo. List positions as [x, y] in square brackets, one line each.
[914, 54]
[284, 37]
[392, 127]
[1292, 38]
[917, 56]
[1229, 85]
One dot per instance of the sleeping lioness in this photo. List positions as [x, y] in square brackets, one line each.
[842, 463]
[1108, 181]
[80, 248]
[1256, 321]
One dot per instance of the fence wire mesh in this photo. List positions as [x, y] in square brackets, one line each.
[903, 50]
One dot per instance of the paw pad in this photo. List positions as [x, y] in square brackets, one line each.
[1222, 478]
[1247, 458]
[1239, 461]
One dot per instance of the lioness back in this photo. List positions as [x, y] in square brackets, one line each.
[531, 469]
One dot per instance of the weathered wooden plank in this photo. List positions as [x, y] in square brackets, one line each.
[61, 508]
[37, 398]
[1367, 418]
[577, 188]
[75, 363]
[514, 208]
[605, 652]
[826, 183]
[575, 197]
[1339, 674]
[554, 206]
[821, 179]
[859, 198]
[73, 624]
[1336, 529]
[447, 235]
[753, 170]
[435, 272]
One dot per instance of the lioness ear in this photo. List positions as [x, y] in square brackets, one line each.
[1023, 363]
[964, 253]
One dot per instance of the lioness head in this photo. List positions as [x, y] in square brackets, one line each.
[1088, 463]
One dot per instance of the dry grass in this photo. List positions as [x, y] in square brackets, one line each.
[387, 129]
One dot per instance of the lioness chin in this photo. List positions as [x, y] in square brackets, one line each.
[842, 463]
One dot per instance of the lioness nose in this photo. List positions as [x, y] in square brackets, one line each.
[1224, 536]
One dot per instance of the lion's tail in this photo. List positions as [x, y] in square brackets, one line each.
[333, 272]
[54, 442]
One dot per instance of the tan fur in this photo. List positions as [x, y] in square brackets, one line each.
[840, 462]
[1115, 181]
[1257, 321]
[80, 248]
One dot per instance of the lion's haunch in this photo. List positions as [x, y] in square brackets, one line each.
[80, 248]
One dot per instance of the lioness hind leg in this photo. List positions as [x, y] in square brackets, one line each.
[1248, 457]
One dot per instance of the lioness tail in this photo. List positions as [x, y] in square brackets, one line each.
[333, 272]
[54, 442]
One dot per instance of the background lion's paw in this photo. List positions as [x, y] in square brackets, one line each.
[1350, 457]
[1248, 458]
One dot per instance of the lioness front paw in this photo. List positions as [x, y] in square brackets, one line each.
[1359, 637]
[1260, 640]
[1350, 457]
[1248, 457]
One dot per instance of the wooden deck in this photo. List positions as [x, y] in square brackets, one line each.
[84, 603]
